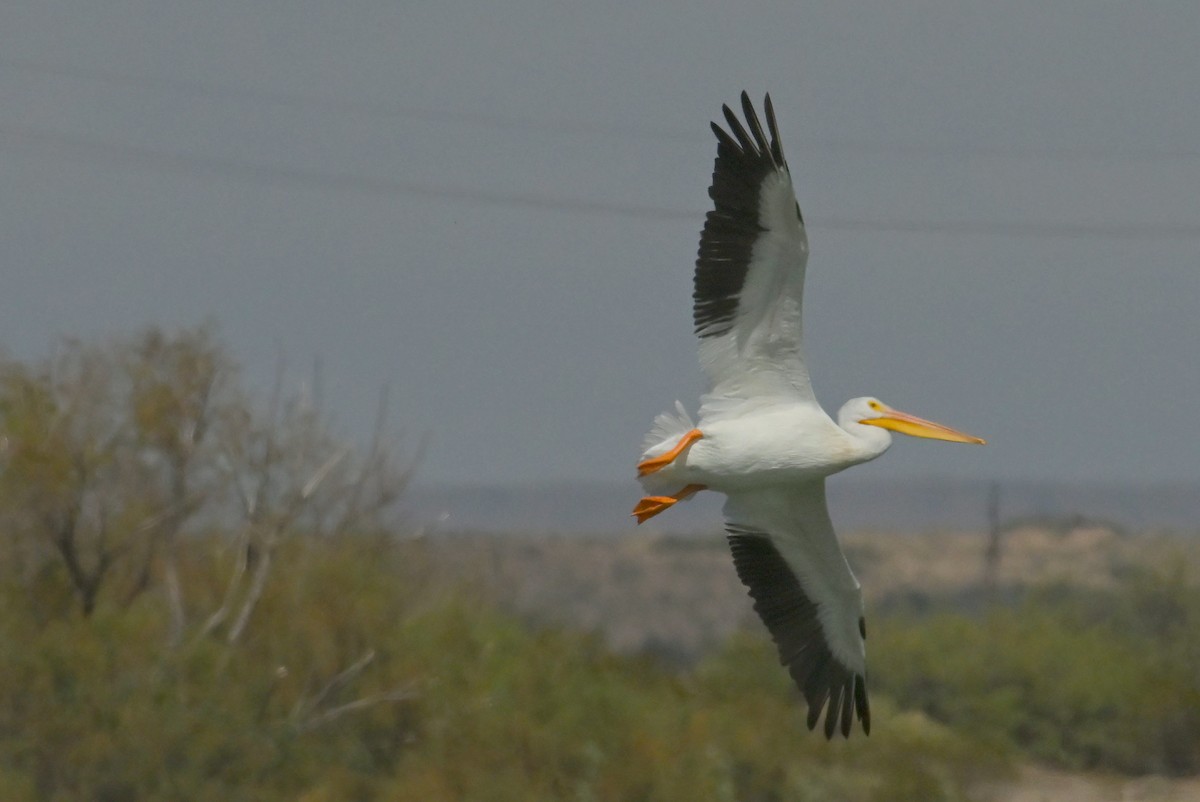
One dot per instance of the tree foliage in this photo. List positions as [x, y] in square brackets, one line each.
[111, 453]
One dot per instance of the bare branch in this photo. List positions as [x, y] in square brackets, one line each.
[320, 719]
[231, 589]
[341, 680]
[321, 473]
[257, 583]
[269, 447]
[353, 512]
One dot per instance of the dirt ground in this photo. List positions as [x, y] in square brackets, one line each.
[678, 596]
[1039, 784]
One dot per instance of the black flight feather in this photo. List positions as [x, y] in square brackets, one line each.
[745, 159]
[792, 618]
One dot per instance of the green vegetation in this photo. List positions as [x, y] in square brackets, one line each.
[202, 598]
[457, 701]
[1080, 678]
[369, 675]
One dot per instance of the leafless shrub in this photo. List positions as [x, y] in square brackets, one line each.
[110, 453]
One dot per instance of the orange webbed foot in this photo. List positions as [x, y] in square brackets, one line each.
[650, 506]
[663, 460]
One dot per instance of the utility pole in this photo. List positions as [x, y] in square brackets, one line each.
[991, 554]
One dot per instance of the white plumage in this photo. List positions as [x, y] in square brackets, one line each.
[762, 439]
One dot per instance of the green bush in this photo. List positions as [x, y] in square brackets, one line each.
[363, 675]
[1082, 678]
[101, 708]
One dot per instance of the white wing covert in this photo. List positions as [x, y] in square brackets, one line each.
[749, 280]
[787, 555]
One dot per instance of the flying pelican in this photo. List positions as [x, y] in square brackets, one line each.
[762, 439]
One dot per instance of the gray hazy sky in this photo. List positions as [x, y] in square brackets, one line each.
[494, 209]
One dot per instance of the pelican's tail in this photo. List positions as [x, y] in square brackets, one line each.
[671, 435]
[665, 433]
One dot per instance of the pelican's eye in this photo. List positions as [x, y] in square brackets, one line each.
[875, 405]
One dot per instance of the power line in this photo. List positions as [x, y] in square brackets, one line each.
[63, 145]
[1027, 228]
[135, 156]
[624, 130]
[244, 94]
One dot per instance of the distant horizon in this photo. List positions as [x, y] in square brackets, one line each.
[876, 503]
[848, 477]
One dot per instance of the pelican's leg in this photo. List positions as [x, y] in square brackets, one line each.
[663, 460]
[650, 506]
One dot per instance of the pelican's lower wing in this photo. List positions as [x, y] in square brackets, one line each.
[788, 556]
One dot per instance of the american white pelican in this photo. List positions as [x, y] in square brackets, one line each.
[762, 438]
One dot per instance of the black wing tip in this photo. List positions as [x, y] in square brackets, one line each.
[760, 138]
[829, 687]
[862, 702]
[746, 156]
[753, 143]
[773, 127]
[841, 705]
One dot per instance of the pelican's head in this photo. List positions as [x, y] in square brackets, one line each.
[873, 412]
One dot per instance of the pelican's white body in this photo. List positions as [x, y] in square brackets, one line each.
[770, 444]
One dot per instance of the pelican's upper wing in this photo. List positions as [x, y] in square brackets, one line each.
[788, 556]
[749, 279]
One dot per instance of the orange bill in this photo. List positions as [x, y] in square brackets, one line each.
[904, 423]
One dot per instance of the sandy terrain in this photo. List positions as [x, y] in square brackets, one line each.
[1038, 784]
